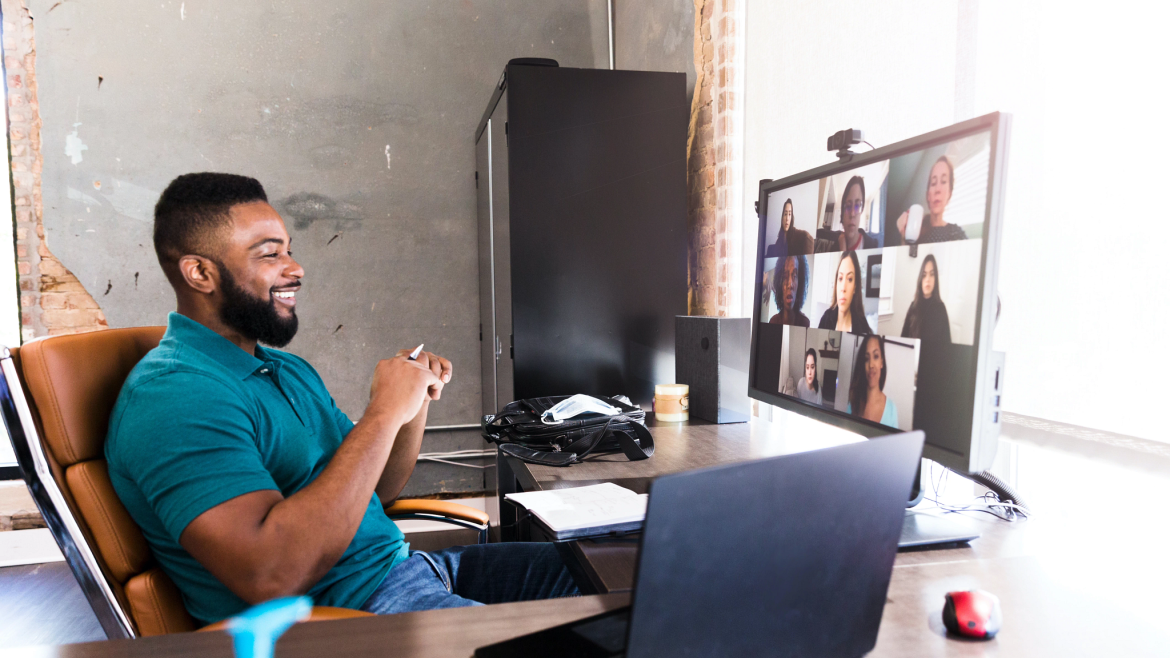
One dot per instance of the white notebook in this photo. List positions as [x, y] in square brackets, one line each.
[582, 511]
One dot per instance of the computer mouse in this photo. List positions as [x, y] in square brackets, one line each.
[973, 614]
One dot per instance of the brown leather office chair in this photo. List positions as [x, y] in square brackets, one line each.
[58, 431]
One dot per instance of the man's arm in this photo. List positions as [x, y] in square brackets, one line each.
[262, 545]
[404, 455]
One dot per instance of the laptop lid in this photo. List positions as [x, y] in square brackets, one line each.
[785, 556]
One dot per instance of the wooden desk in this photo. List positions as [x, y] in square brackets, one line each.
[1045, 613]
[432, 634]
[1037, 572]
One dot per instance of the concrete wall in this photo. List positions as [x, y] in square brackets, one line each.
[358, 117]
[656, 35]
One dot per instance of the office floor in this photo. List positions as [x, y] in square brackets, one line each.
[42, 603]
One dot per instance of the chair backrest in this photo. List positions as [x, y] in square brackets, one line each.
[72, 383]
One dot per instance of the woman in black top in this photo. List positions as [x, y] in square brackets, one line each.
[927, 317]
[847, 296]
[790, 241]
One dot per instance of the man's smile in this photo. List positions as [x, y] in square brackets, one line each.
[288, 297]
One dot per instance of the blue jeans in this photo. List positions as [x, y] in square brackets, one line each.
[473, 575]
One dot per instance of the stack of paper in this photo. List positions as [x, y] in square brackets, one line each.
[583, 511]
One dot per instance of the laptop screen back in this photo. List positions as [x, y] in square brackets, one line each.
[787, 556]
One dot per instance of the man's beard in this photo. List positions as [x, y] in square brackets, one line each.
[255, 318]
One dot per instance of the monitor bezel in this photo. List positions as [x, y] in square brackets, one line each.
[997, 124]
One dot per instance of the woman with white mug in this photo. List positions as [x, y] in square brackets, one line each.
[918, 227]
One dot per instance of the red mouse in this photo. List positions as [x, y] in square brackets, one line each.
[973, 614]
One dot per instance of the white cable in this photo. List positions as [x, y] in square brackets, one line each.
[444, 461]
[463, 454]
[446, 457]
[991, 503]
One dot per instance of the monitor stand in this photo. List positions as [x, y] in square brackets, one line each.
[921, 529]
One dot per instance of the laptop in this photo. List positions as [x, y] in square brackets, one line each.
[785, 556]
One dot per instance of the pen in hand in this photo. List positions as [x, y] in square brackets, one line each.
[414, 355]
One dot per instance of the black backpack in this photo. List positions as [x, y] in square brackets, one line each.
[518, 431]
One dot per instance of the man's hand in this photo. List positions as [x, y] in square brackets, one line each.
[438, 365]
[400, 386]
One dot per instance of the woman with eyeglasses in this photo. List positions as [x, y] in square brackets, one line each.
[927, 317]
[852, 237]
[847, 312]
[866, 398]
[940, 185]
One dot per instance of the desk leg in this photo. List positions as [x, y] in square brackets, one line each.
[506, 484]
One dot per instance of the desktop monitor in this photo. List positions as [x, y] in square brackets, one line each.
[875, 296]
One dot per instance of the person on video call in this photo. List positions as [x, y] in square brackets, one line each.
[939, 188]
[789, 285]
[866, 398]
[851, 236]
[790, 240]
[808, 388]
[927, 317]
[847, 312]
[246, 479]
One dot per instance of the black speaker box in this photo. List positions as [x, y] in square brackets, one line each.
[711, 356]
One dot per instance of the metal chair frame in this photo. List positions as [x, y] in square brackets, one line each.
[34, 466]
[482, 528]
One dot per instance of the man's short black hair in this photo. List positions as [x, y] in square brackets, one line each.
[193, 208]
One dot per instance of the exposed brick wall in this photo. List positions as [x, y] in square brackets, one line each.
[52, 300]
[713, 203]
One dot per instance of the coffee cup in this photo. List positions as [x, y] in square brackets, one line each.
[914, 223]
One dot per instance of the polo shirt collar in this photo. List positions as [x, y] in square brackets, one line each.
[184, 330]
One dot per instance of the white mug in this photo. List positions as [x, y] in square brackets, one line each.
[914, 223]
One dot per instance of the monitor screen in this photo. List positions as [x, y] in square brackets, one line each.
[870, 278]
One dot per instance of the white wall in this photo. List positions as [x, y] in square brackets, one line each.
[1084, 256]
[815, 338]
[786, 359]
[9, 300]
[824, 268]
[901, 377]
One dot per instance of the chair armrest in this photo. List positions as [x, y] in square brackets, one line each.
[438, 508]
[319, 613]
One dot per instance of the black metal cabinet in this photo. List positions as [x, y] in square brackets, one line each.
[581, 178]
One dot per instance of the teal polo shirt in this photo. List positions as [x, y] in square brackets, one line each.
[199, 422]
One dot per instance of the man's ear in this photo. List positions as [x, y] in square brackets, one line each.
[200, 273]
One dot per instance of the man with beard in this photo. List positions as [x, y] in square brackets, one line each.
[246, 479]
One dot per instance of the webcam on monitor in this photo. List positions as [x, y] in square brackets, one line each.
[842, 140]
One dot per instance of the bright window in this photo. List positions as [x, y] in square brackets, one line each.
[1083, 267]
